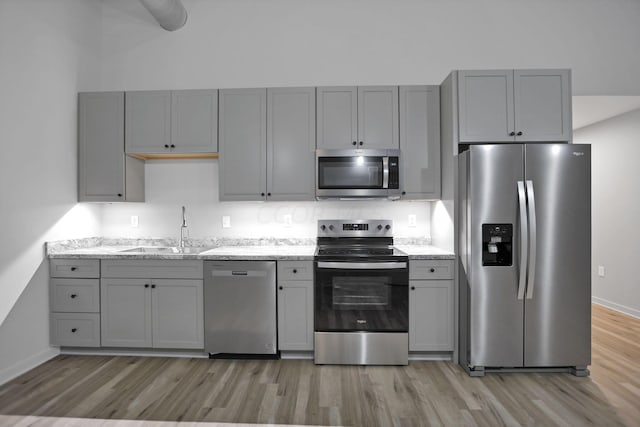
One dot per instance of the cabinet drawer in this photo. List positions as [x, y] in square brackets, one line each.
[88, 268]
[153, 269]
[430, 269]
[75, 295]
[295, 270]
[75, 329]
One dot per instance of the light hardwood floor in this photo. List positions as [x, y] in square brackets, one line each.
[298, 392]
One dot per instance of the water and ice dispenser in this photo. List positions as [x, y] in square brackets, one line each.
[497, 244]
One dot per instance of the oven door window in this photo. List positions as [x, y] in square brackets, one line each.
[363, 300]
[357, 172]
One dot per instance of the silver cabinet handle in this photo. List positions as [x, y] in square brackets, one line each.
[533, 242]
[522, 203]
[363, 265]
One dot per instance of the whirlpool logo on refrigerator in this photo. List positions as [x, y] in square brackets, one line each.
[578, 153]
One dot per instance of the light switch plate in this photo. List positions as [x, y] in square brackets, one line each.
[226, 221]
[601, 270]
[134, 221]
[412, 220]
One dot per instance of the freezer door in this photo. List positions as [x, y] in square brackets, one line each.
[558, 302]
[495, 312]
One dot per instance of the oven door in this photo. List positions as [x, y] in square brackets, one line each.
[366, 295]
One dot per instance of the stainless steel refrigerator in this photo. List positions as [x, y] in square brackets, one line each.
[524, 235]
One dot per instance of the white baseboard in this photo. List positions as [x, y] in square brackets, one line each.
[617, 307]
[7, 374]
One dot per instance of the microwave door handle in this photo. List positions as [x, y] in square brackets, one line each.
[385, 172]
[522, 205]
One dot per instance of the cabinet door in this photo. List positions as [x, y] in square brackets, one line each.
[431, 315]
[194, 121]
[101, 147]
[485, 106]
[378, 117]
[148, 122]
[337, 117]
[177, 312]
[125, 312]
[420, 142]
[242, 144]
[295, 315]
[542, 105]
[291, 120]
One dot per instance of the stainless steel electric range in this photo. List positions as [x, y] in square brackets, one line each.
[361, 294]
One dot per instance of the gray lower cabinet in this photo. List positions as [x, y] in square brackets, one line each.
[171, 122]
[431, 305]
[158, 310]
[420, 142]
[357, 117]
[267, 144]
[105, 173]
[74, 298]
[295, 305]
[514, 105]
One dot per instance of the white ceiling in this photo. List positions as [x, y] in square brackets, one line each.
[591, 109]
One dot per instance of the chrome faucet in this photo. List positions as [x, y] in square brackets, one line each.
[183, 228]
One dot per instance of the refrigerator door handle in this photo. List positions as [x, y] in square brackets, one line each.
[532, 233]
[524, 244]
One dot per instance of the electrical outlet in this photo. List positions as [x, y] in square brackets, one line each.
[226, 221]
[412, 220]
[601, 270]
[134, 221]
[288, 220]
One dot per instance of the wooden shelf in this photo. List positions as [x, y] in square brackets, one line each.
[175, 156]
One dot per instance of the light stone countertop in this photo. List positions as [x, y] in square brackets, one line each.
[425, 252]
[274, 249]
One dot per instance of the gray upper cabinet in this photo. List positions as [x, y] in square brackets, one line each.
[105, 174]
[267, 144]
[194, 121]
[543, 105]
[337, 117]
[242, 144]
[148, 122]
[420, 142]
[366, 117]
[378, 117]
[291, 119]
[514, 106]
[172, 122]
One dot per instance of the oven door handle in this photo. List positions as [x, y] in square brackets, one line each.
[363, 265]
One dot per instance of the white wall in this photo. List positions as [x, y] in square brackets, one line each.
[615, 175]
[256, 43]
[171, 184]
[48, 51]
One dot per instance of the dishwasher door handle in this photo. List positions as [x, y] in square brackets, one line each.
[238, 273]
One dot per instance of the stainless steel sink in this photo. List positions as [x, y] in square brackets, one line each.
[165, 250]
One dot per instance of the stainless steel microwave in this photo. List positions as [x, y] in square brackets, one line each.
[357, 174]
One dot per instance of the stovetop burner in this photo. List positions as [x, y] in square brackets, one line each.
[358, 250]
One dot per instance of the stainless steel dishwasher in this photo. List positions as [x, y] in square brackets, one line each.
[240, 308]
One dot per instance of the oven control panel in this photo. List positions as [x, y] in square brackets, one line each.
[355, 228]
